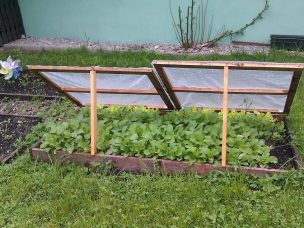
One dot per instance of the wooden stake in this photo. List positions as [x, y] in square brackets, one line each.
[225, 112]
[93, 112]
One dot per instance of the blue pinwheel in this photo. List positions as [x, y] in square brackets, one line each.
[10, 69]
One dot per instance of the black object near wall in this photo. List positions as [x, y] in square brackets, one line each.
[287, 42]
[11, 24]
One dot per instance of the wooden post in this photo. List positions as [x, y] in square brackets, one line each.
[225, 112]
[93, 111]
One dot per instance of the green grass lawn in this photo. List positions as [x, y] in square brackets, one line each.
[36, 194]
[43, 195]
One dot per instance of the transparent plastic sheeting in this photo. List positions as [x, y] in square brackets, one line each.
[244, 101]
[103, 81]
[120, 99]
[107, 81]
[183, 77]
[238, 79]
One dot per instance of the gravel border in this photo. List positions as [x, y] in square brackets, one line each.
[37, 44]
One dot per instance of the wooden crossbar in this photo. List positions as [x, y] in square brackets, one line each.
[273, 111]
[232, 90]
[97, 69]
[131, 105]
[231, 64]
[113, 91]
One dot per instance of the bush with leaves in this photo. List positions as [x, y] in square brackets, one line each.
[188, 134]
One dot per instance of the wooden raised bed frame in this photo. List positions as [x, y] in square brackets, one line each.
[167, 93]
[142, 165]
[148, 165]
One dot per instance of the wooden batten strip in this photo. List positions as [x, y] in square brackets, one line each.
[59, 68]
[231, 65]
[123, 70]
[131, 105]
[273, 111]
[93, 109]
[292, 90]
[113, 91]
[225, 114]
[231, 91]
[108, 70]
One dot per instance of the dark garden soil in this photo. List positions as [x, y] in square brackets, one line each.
[12, 129]
[24, 107]
[27, 84]
[284, 151]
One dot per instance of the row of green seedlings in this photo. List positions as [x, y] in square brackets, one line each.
[188, 134]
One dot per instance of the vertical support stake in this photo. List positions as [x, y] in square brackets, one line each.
[93, 109]
[225, 113]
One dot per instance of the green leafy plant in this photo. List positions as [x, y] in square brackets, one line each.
[189, 134]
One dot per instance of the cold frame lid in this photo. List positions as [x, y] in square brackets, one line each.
[114, 86]
[265, 87]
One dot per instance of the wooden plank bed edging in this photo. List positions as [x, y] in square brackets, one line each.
[25, 96]
[8, 157]
[142, 165]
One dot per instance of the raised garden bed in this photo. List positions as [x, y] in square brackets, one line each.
[12, 128]
[281, 155]
[200, 138]
[26, 97]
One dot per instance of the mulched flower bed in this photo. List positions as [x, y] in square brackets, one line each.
[38, 44]
[13, 128]
[26, 84]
